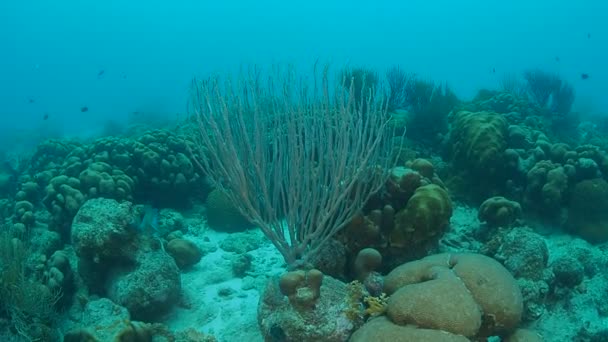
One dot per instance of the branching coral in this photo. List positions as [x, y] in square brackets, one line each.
[376, 306]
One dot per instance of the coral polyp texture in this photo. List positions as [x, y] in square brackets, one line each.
[464, 294]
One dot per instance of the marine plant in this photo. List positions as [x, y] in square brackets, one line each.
[398, 82]
[302, 171]
[363, 80]
[549, 91]
[29, 305]
[511, 82]
[541, 85]
[429, 104]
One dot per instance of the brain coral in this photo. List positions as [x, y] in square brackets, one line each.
[382, 329]
[478, 140]
[465, 294]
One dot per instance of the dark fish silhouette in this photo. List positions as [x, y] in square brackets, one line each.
[584, 76]
[100, 73]
[493, 70]
[588, 35]
[45, 117]
[84, 109]
[557, 59]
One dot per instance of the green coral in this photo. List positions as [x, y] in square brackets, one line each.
[424, 219]
[478, 140]
[588, 210]
[222, 214]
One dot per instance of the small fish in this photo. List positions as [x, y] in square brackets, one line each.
[493, 70]
[31, 100]
[84, 109]
[45, 117]
[149, 222]
[584, 76]
[557, 59]
[124, 76]
[588, 35]
[100, 73]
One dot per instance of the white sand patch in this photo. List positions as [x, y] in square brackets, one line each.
[218, 303]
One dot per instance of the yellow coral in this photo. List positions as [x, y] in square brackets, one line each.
[354, 293]
[359, 304]
[376, 306]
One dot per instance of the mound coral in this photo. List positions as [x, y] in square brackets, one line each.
[477, 142]
[426, 215]
[223, 215]
[547, 185]
[499, 212]
[464, 294]
[588, 210]
[154, 166]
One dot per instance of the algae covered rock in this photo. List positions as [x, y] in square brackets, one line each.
[149, 287]
[101, 230]
[103, 321]
[325, 321]
[114, 259]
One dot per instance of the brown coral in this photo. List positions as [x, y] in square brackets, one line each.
[425, 217]
[382, 329]
[467, 294]
[478, 140]
[499, 212]
[588, 211]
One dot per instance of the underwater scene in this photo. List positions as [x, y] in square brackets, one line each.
[295, 171]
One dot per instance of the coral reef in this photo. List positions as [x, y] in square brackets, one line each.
[96, 233]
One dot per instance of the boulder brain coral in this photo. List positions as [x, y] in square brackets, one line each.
[464, 294]
[478, 140]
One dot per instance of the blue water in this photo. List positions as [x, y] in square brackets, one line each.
[52, 51]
